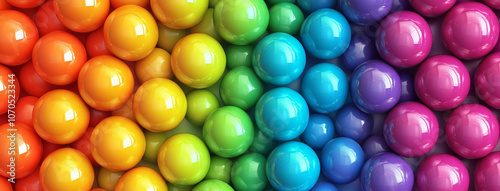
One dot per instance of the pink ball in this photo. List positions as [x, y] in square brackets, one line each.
[442, 172]
[487, 173]
[432, 8]
[495, 4]
[487, 80]
[411, 129]
[471, 131]
[403, 39]
[442, 82]
[470, 30]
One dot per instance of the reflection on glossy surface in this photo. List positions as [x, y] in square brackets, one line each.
[324, 186]
[442, 172]
[60, 117]
[117, 143]
[66, 168]
[388, 172]
[18, 35]
[82, 16]
[341, 160]
[183, 159]
[179, 14]
[486, 80]
[262, 143]
[249, 172]
[220, 168]
[361, 48]
[213, 184]
[363, 12]
[141, 178]
[130, 32]
[472, 131]
[285, 17]
[241, 87]
[487, 173]
[239, 56]
[6, 88]
[353, 123]
[432, 8]
[153, 144]
[155, 65]
[470, 30]
[25, 3]
[200, 103]
[107, 179]
[318, 132]
[374, 145]
[293, 166]
[493, 3]
[207, 26]
[442, 82]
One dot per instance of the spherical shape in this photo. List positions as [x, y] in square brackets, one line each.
[60, 117]
[487, 81]
[324, 186]
[24, 110]
[31, 82]
[404, 39]
[198, 60]
[309, 6]
[83, 145]
[249, 172]
[353, 123]
[361, 48]
[241, 87]
[46, 19]
[213, 184]
[442, 82]
[95, 44]
[130, 32]
[375, 87]
[153, 144]
[155, 65]
[207, 26]
[442, 172]
[486, 173]
[107, 179]
[200, 103]
[82, 16]
[386, 171]
[118, 3]
[470, 30]
[292, 166]
[282, 114]
[18, 35]
[141, 178]
[285, 17]
[432, 8]
[495, 4]
[28, 183]
[262, 143]
[363, 12]
[325, 34]
[10, 87]
[374, 145]
[220, 168]
[325, 87]
[319, 131]
[279, 59]
[159, 105]
[179, 14]
[341, 160]
[239, 55]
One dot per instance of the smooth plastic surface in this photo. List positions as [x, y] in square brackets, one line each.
[353, 123]
[487, 173]
[82, 16]
[374, 145]
[388, 172]
[443, 172]
[18, 35]
[249, 172]
[318, 132]
[365, 11]
[341, 160]
[432, 8]
[486, 80]
[141, 178]
[179, 14]
[285, 17]
[241, 87]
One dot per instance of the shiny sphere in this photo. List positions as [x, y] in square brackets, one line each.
[153, 144]
[374, 145]
[18, 35]
[361, 48]
[386, 171]
[239, 55]
[309, 6]
[141, 178]
[25, 4]
[487, 172]
[168, 37]
[46, 19]
[324, 186]
[82, 15]
[179, 14]
[318, 132]
[95, 45]
[107, 179]
[341, 160]
[241, 87]
[155, 65]
[442, 172]
[495, 4]
[220, 168]
[10, 87]
[363, 12]
[249, 172]
[262, 143]
[285, 17]
[353, 123]
[213, 184]
[200, 103]
[432, 8]
[31, 82]
[487, 81]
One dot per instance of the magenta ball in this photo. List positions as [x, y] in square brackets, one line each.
[470, 30]
[432, 8]
[487, 80]
[442, 82]
[442, 172]
[403, 39]
[411, 129]
[471, 131]
[487, 173]
[495, 4]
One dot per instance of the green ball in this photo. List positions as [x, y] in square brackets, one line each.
[249, 172]
[200, 103]
[241, 22]
[262, 144]
[228, 131]
[239, 56]
[153, 144]
[270, 3]
[220, 169]
[185, 127]
[241, 87]
[212, 3]
[285, 17]
[173, 187]
[213, 184]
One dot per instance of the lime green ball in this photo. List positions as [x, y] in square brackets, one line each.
[285, 17]
[228, 131]
[241, 22]
[173, 187]
[220, 169]
[241, 87]
[212, 3]
[239, 56]
[213, 184]
[249, 172]
[270, 3]
[153, 144]
[200, 103]
[262, 144]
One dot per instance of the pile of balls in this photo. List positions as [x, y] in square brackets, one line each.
[324, 95]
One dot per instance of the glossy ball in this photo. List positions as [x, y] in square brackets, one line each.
[66, 168]
[361, 48]
[141, 178]
[5, 184]
[220, 168]
[24, 110]
[495, 4]
[325, 87]
[285, 17]
[130, 32]
[404, 39]
[341, 160]
[487, 172]
[375, 87]
[83, 145]
[249, 172]
[282, 114]
[207, 26]
[200, 103]
[198, 60]
[309, 6]
[60, 117]
[241, 87]
[262, 143]
[25, 4]
[324, 186]
[95, 44]
[470, 30]
[374, 145]
[279, 59]
[363, 12]
[18, 35]
[31, 82]
[107, 179]
[432, 8]
[486, 80]
[293, 166]
[58, 57]
[325, 34]
[168, 37]
[82, 16]
[179, 14]
[155, 65]
[443, 172]
[159, 105]
[353, 123]
[442, 82]
[239, 56]
[386, 171]
[471, 131]
[153, 144]
[213, 184]
[118, 3]
[117, 143]
[183, 159]
[10, 87]
[46, 19]
[318, 132]
[28, 183]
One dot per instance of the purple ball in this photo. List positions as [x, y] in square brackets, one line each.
[374, 145]
[365, 11]
[353, 123]
[375, 87]
[388, 172]
[362, 48]
[442, 172]
[400, 5]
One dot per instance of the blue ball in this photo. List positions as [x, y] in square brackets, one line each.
[293, 166]
[279, 59]
[282, 114]
[361, 48]
[353, 123]
[325, 87]
[318, 132]
[324, 186]
[341, 160]
[325, 34]
[309, 6]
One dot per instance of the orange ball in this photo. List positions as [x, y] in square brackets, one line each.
[141, 178]
[66, 168]
[58, 57]
[105, 83]
[82, 15]
[95, 44]
[60, 117]
[18, 35]
[155, 65]
[46, 19]
[118, 3]
[9, 94]
[179, 14]
[126, 110]
[4, 5]
[26, 3]
[5, 184]
[24, 110]
[31, 82]
[29, 183]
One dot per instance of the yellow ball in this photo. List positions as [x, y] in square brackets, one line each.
[156, 65]
[198, 60]
[141, 178]
[179, 14]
